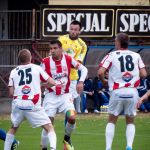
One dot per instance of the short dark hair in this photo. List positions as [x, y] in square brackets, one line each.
[56, 42]
[75, 22]
[123, 39]
[24, 56]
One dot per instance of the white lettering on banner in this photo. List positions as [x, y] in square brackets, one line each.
[132, 21]
[52, 23]
[93, 22]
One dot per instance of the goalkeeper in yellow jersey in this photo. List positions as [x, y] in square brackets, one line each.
[75, 47]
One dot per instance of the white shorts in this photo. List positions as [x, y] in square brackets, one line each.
[123, 100]
[57, 103]
[73, 89]
[36, 117]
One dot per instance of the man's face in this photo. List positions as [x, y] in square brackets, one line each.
[55, 50]
[74, 31]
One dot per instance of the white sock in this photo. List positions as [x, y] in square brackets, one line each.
[130, 133]
[109, 133]
[52, 140]
[44, 139]
[69, 128]
[8, 142]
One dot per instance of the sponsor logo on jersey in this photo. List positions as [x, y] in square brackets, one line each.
[59, 76]
[127, 77]
[26, 89]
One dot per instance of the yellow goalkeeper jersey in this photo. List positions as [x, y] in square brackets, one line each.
[75, 48]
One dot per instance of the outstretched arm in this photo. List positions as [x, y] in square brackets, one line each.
[143, 99]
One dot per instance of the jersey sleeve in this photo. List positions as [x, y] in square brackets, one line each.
[43, 74]
[11, 83]
[106, 62]
[80, 57]
[141, 63]
[74, 63]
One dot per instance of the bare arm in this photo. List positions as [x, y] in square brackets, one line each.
[49, 83]
[101, 75]
[143, 73]
[143, 99]
[11, 91]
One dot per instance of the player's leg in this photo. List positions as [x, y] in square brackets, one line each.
[69, 128]
[75, 95]
[17, 117]
[10, 138]
[110, 130]
[44, 137]
[67, 107]
[130, 132]
[49, 130]
[115, 107]
[50, 107]
[3, 137]
[77, 102]
[39, 118]
[130, 112]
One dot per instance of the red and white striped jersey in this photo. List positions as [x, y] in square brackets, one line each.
[60, 70]
[26, 82]
[123, 66]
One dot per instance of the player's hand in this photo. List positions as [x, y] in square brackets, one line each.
[79, 87]
[105, 83]
[90, 93]
[139, 103]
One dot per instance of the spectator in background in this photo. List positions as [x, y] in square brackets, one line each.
[100, 97]
[87, 93]
[75, 47]
[144, 98]
[142, 89]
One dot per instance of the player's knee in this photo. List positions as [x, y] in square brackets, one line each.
[71, 116]
[71, 119]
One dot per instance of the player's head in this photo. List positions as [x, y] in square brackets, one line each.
[56, 48]
[121, 41]
[75, 28]
[24, 56]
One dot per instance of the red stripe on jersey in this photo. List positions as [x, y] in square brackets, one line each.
[47, 65]
[69, 64]
[115, 86]
[101, 64]
[137, 83]
[46, 62]
[127, 84]
[25, 97]
[35, 98]
[58, 66]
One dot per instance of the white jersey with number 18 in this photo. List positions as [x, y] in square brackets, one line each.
[123, 66]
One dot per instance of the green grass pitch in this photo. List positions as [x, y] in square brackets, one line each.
[89, 134]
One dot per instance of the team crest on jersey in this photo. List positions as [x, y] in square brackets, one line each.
[127, 77]
[70, 52]
[26, 89]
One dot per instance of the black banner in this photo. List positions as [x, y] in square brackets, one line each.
[97, 21]
[135, 22]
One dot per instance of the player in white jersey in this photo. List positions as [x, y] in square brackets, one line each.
[58, 99]
[125, 69]
[25, 89]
